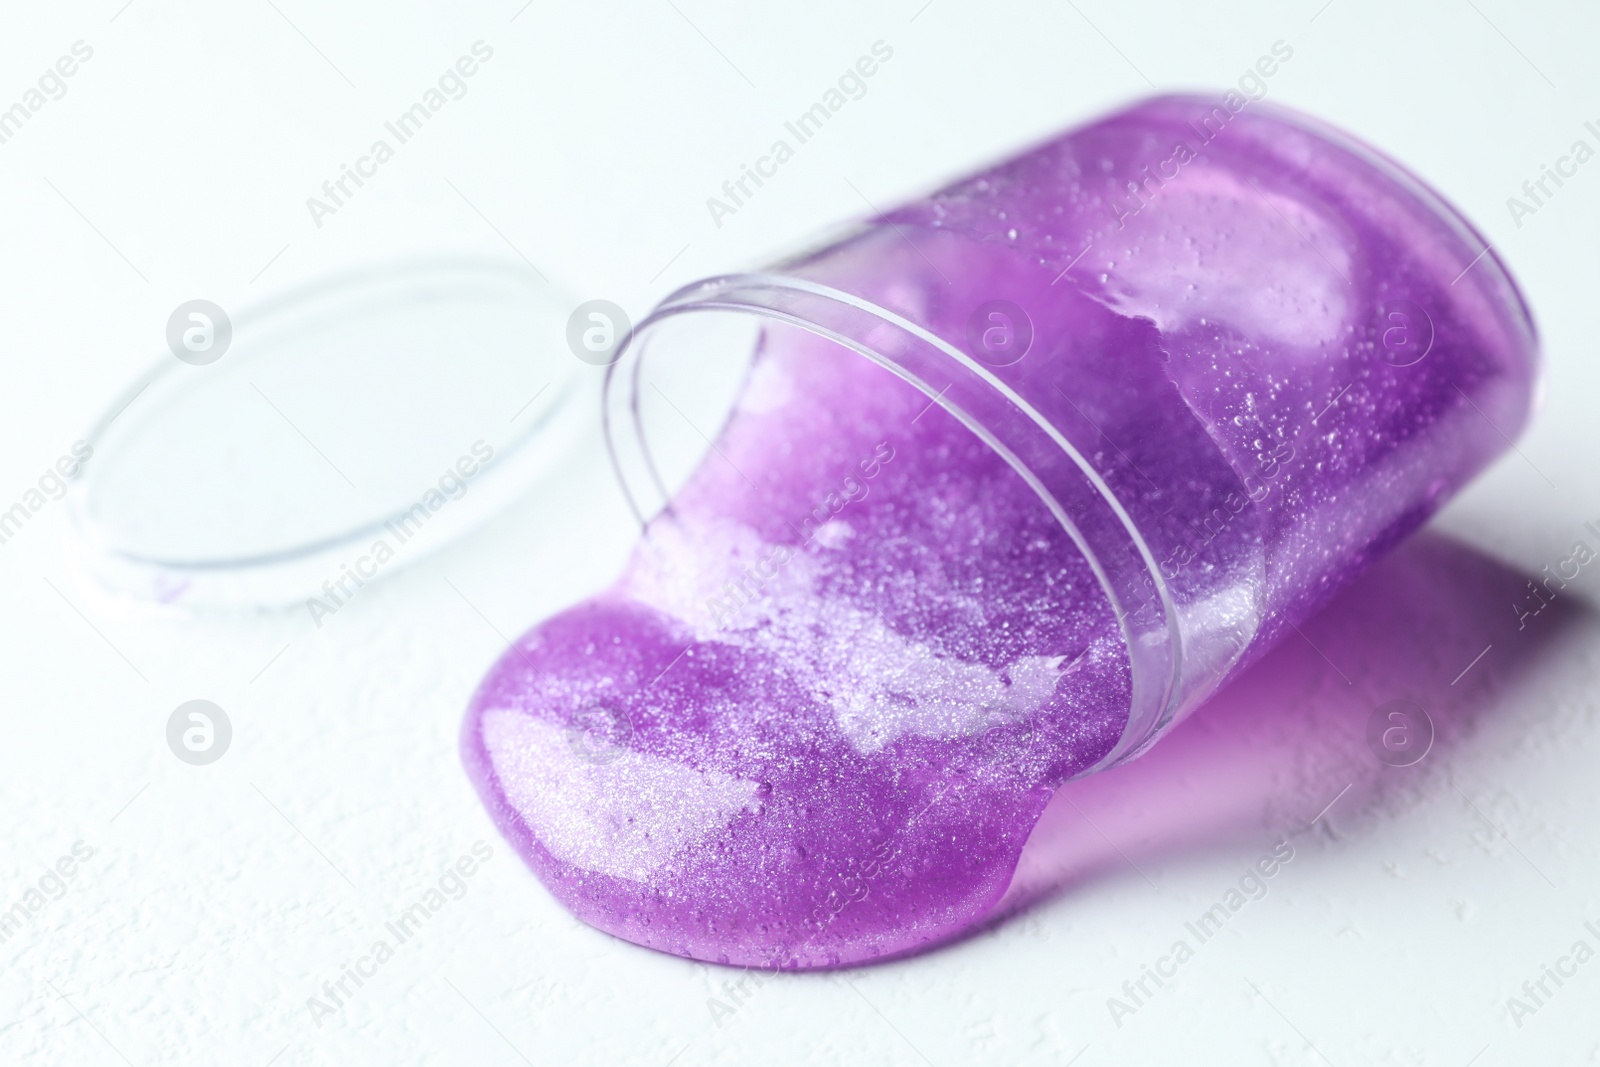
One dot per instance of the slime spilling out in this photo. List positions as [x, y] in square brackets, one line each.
[816, 718]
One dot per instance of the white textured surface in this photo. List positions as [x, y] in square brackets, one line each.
[218, 899]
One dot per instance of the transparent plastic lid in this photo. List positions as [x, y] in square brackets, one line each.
[340, 431]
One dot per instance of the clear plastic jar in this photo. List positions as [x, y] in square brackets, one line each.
[1236, 353]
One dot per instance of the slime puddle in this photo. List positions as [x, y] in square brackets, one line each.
[816, 719]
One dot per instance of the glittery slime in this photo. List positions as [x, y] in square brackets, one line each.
[816, 718]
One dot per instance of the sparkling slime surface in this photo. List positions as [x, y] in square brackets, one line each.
[815, 720]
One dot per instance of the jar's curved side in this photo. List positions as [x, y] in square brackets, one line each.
[1390, 381]
[1506, 297]
[1352, 349]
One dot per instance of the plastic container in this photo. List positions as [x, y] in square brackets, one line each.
[1236, 353]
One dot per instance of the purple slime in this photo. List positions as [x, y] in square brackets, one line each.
[847, 763]
[816, 719]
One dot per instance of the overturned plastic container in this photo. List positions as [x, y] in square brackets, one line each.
[1237, 354]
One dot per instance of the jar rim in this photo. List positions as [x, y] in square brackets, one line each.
[1153, 641]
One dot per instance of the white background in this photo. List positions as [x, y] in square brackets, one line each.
[177, 166]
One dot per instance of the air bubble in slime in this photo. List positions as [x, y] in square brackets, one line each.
[1017, 476]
